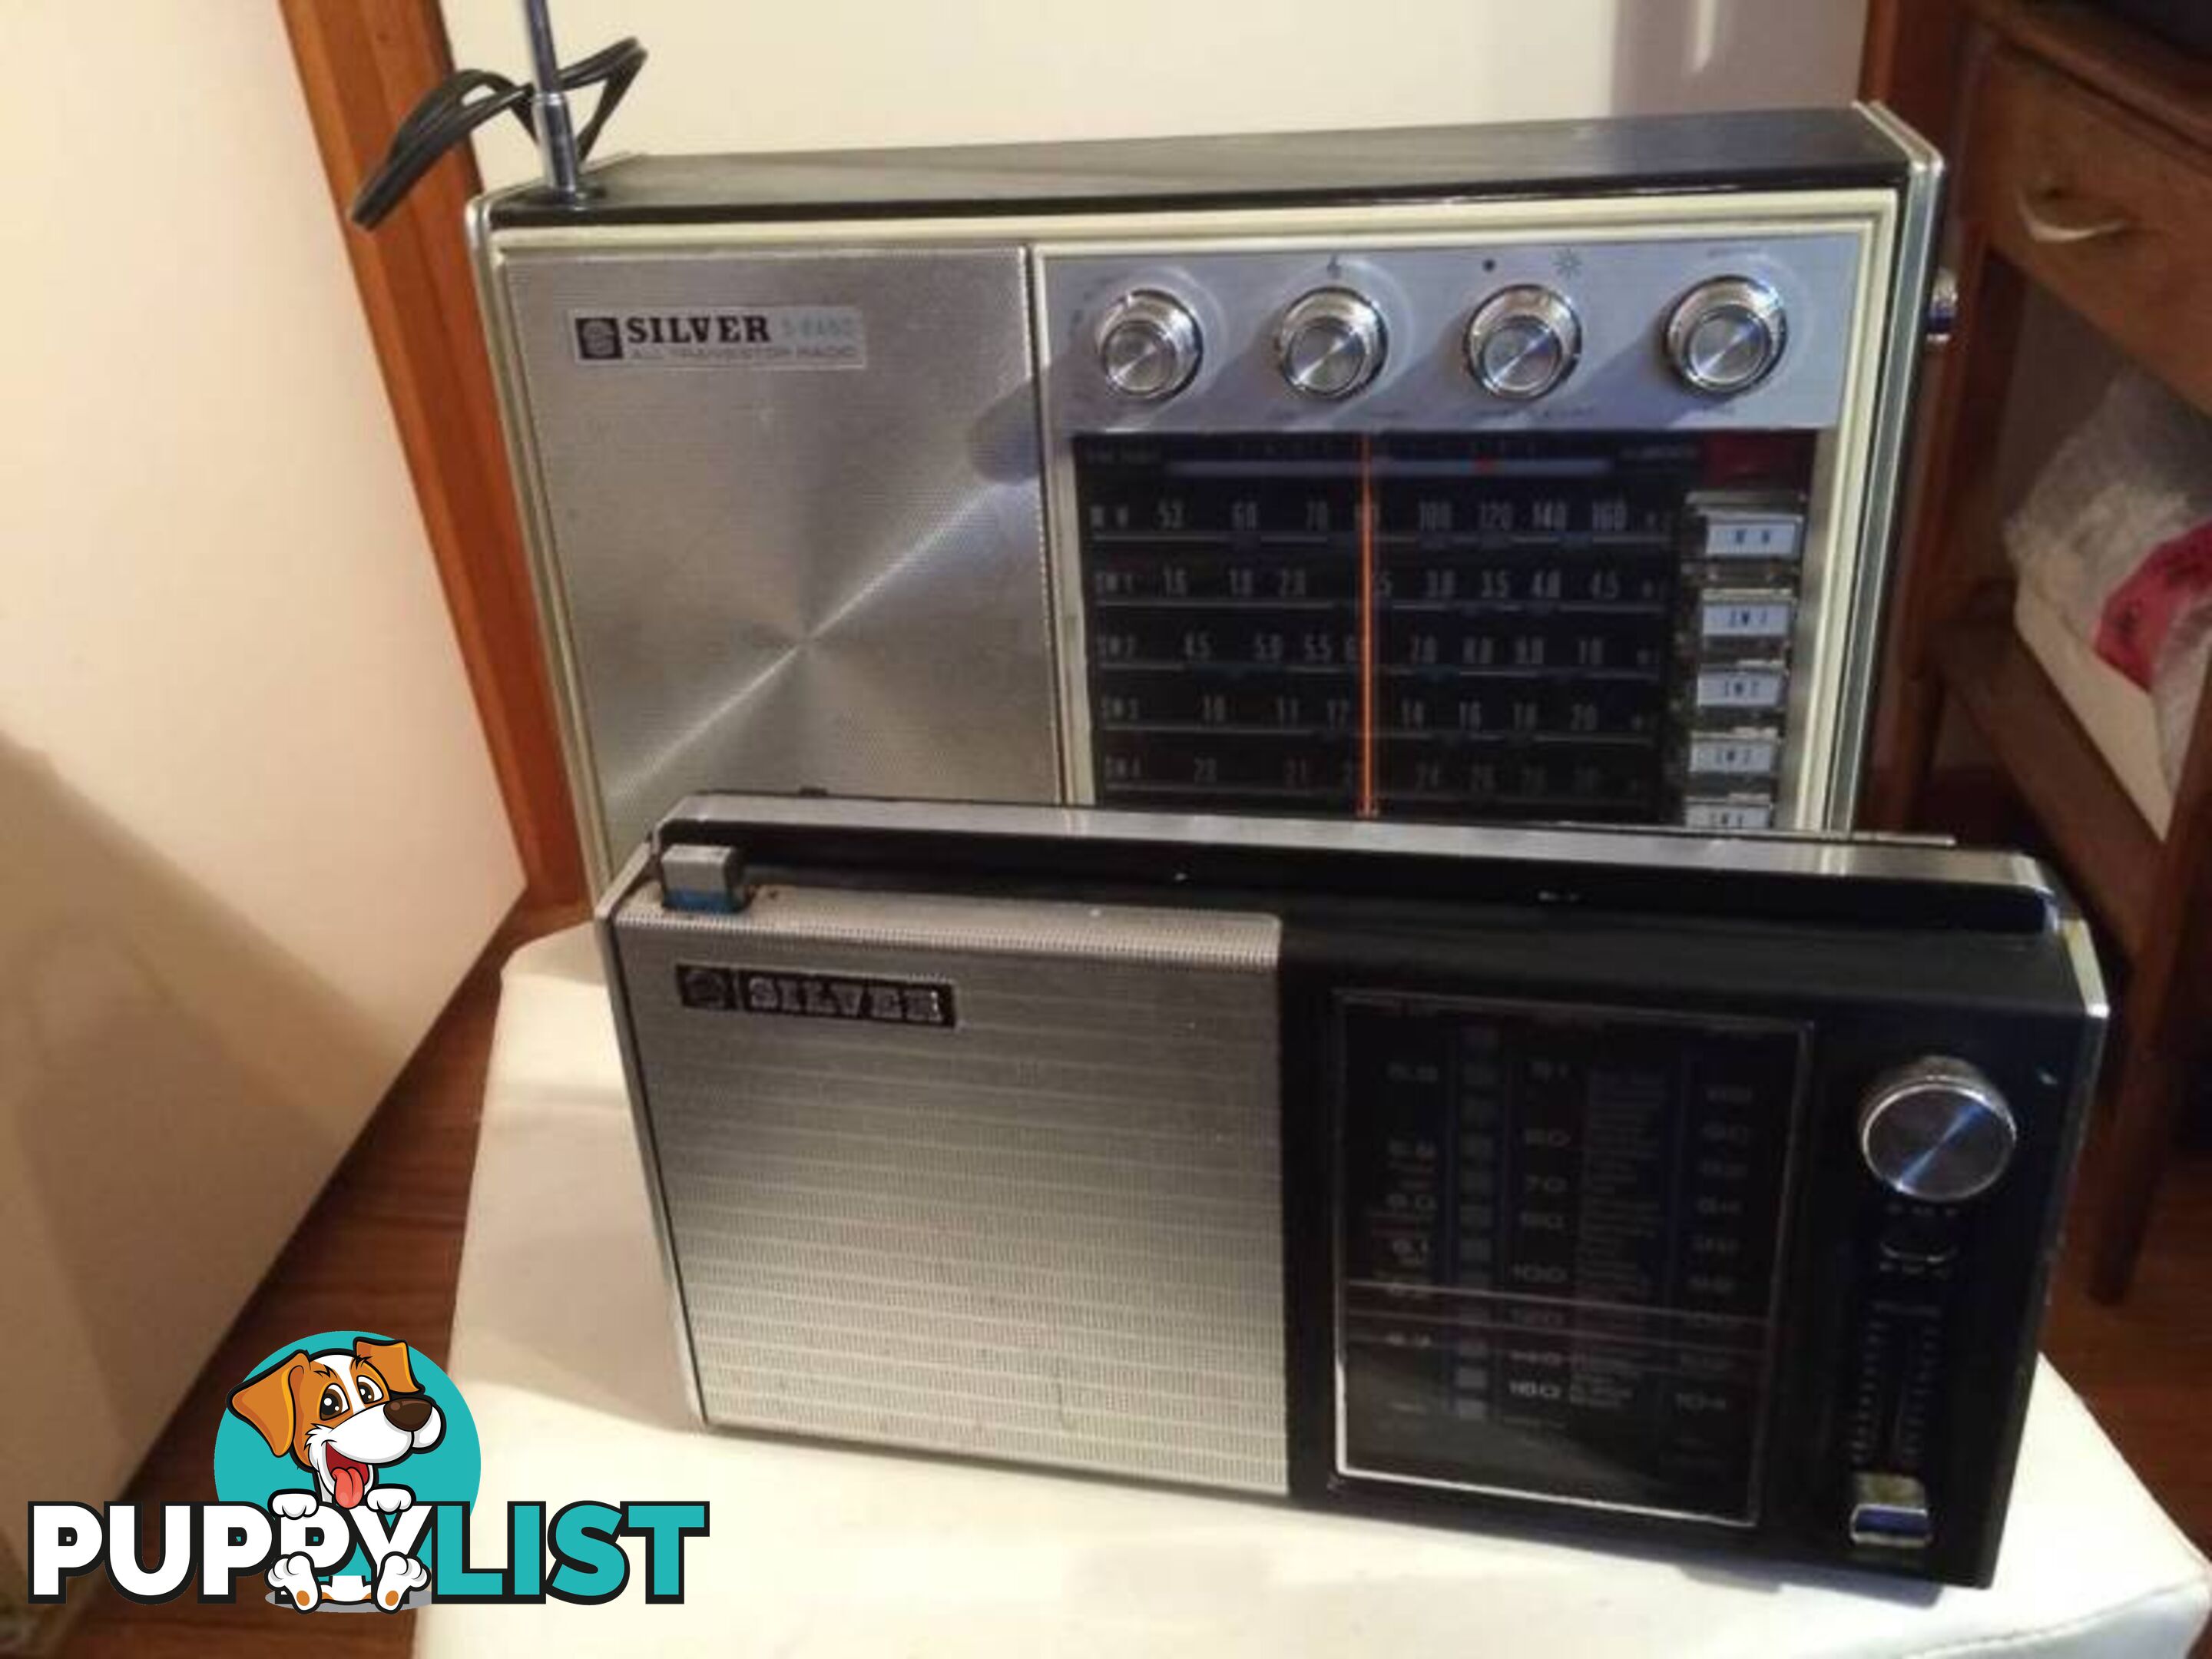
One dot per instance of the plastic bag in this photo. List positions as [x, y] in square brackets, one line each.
[2116, 536]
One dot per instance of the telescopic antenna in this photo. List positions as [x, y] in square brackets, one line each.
[556, 132]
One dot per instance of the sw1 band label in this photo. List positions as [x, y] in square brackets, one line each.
[722, 336]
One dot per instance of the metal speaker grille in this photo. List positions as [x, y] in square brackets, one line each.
[1050, 1234]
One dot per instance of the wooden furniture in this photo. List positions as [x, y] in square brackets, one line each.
[2083, 164]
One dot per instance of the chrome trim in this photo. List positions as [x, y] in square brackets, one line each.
[2081, 955]
[1917, 226]
[1781, 854]
[555, 639]
[637, 872]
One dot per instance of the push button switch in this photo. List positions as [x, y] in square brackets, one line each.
[1889, 1512]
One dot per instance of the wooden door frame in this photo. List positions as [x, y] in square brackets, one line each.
[1912, 61]
[362, 64]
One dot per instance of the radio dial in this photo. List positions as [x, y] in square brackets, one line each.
[1522, 343]
[1937, 1131]
[1726, 337]
[1331, 344]
[1149, 346]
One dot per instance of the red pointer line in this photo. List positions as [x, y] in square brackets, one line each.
[1366, 626]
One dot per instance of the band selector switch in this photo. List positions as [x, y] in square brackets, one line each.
[1890, 1512]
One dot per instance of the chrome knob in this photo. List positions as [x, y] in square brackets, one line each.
[1725, 337]
[1331, 342]
[1936, 1130]
[1149, 345]
[1522, 343]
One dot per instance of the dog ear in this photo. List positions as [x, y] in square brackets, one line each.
[266, 1402]
[390, 1359]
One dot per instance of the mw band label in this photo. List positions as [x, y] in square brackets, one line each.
[722, 336]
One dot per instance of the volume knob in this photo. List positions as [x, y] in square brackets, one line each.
[1936, 1130]
[1149, 345]
[1522, 343]
[1331, 342]
[1726, 337]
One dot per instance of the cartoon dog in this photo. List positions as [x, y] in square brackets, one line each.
[344, 1416]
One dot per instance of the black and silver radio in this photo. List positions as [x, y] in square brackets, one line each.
[1504, 473]
[1698, 1187]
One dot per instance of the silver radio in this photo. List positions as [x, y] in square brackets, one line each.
[1682, 1186]
[1538, 472]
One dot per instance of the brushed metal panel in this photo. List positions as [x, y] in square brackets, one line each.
[1051, 1233]
[1920, 214]
[789, 578]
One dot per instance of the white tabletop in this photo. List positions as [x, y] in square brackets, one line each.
[562, 1343]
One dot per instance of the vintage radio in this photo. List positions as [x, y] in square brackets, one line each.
[1706, 1188]
[1517, 472]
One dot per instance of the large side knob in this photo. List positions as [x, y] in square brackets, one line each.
[1331, 342]
[1523, 341]
[1149, 345]
[1725, 337]
[1936, 1130]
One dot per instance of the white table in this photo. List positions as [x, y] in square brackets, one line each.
[563, 1345]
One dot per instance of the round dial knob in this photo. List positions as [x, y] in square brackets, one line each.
[1522, 343]
[1148, 345]
[1936, 1130]
[1725, 337]
[1331, 344]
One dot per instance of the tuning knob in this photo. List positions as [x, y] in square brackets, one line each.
[1726, 336]
[1936, 1130]
[1522, 343]
[1149, 345]
[1331, 342]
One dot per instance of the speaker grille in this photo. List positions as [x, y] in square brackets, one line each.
[1050, 1232]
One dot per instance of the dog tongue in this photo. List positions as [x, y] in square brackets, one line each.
[347, 1482]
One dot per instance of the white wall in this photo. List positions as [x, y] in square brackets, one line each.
[249, 834]
[840, 73]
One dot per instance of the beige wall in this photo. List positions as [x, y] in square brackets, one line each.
[249, 835]
[833, 73]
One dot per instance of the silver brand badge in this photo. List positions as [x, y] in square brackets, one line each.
[815, 996]
[722, 336]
